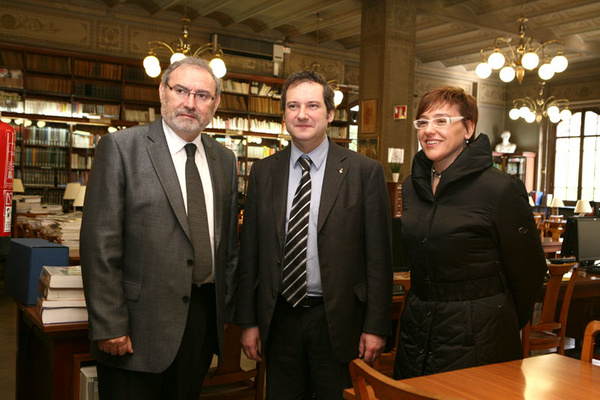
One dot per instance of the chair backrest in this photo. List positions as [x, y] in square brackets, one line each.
[383, 387]
[587, 351]
[548, 320]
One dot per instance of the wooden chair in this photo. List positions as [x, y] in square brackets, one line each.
[540, 220]
[229, 381]
[550, 333]
[381, 387]
[587, 351]
[385, 363]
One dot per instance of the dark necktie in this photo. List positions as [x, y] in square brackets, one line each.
[294, 269]
[197, 219]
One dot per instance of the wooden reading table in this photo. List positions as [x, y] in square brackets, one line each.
[546, 377]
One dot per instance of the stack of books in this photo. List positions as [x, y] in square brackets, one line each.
[62, 295]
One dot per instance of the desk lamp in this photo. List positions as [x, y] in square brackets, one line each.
[583, 207]
[71, 193]
[78, 202]
[556, 204]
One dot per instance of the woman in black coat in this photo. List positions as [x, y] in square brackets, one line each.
[475, 255]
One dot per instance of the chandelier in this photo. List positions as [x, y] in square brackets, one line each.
[182, 50]
[534, 110]
[513, 61]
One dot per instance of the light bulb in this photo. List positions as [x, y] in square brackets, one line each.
[514, 114]
[27, 122]
[530, 117]
[496, 60]
[338, 96]
[553, 111]
[507, 74]
[483, 70]
[176, 57]
[565, 114]
[524, 111]
[111, 129]
[530, 60]
[554, 118]
[6, 120]
[41, 124]
[218, 67]
[546, 71]
[152, 66]
[559, 63]
[19, 121]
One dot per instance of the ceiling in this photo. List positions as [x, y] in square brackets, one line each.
[449, 33]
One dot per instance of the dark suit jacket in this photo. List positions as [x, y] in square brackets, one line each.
[135, 245]
[353, 244]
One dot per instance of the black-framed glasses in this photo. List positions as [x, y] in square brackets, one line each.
[201, 96]
[438, 122]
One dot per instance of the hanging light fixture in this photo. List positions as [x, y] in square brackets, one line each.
[513, 62]
[338, 95]
[534, 110]
[183, 49]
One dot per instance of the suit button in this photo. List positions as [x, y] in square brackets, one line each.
[274, 294]
[424, 240]
[278, 262]
[190, 262]
[186, 299]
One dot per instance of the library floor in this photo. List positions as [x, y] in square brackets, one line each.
[8, 345]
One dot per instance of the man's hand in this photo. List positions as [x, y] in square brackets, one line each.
[251, 343]
[116, 346]
[370, 347]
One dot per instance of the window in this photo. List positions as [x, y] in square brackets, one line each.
[577, 163]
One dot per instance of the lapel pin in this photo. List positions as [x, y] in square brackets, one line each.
[341, 170]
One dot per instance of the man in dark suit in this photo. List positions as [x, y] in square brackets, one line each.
[159, 288]
[314, 286]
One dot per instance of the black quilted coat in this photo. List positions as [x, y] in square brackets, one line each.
[477, 265]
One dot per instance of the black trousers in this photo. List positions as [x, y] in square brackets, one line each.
[300, 358]
[183, 378]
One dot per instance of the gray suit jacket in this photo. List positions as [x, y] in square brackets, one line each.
[354, 247]
[135, 245]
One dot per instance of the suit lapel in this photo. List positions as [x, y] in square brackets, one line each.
[279, 189]
[217, 179]
[335, 172]
[163, 165]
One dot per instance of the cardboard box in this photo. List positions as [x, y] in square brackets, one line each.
[24, 264]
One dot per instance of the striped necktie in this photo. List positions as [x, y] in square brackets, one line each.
[294, 269]
[197, 219]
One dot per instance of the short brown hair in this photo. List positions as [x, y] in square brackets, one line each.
[454, 96]
[309, 76]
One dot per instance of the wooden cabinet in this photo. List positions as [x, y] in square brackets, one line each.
[521, 165]
[395, 195]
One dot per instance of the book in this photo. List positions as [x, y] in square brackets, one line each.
[45, 303]
[62, 277]
[60, 293]
[63, 315]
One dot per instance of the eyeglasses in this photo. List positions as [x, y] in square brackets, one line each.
[183, 93]
[438, 122]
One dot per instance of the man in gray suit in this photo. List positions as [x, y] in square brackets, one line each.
[315, 287]
[159, 289]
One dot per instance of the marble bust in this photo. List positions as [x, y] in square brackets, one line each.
[506, 146]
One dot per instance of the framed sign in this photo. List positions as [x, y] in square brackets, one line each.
[368, 119]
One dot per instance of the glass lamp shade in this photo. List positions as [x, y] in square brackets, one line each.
[553, 111]
[507, 74]
[524, 111]
[565, 114]
[496, 60]
[218, 67]
[514, 114]
[559, 63]
[27, 122]
[529, 118]
[40, 124]
[554, 118]
[176, 57]
[546, 71]
[483, 70]
[152, 66]
[530, 60]
[583, 207]
[338, 96]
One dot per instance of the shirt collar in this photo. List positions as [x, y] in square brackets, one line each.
[317, 156]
